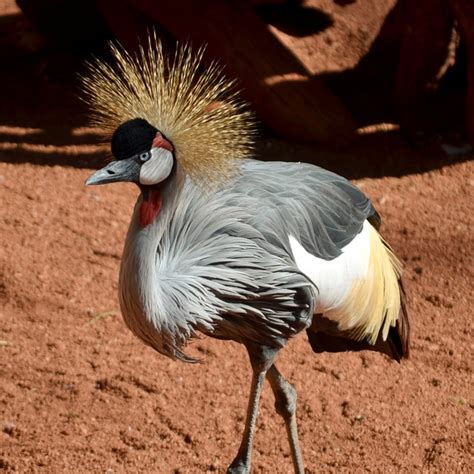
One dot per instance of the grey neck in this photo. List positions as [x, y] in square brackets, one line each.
[138, 282]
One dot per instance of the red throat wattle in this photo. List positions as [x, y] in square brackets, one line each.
[150, 207]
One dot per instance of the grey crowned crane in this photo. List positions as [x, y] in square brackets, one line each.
[231, 247]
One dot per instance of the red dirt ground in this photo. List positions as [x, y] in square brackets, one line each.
[80, 393]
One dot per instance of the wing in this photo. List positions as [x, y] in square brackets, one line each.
[325, 213]
[320, 209]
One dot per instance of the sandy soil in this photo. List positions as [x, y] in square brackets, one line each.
[80, 393]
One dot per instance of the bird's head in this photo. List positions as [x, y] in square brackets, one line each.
[163, 110]
[142, 155]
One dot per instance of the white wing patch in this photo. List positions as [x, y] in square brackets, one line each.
[334, 278]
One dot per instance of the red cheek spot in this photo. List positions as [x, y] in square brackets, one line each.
[150, 207]
[160, 142]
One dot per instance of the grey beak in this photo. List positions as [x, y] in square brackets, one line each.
[116, 171]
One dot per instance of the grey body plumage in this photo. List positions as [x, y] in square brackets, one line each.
[219, 262]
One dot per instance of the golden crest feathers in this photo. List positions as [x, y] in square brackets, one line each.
[195, 107]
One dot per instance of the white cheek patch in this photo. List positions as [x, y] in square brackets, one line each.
[157, 168]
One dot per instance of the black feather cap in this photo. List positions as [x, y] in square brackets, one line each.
[132, 137]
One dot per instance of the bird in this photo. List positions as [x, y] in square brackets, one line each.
[224, 245]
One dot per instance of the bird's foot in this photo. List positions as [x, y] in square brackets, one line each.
[238, 466]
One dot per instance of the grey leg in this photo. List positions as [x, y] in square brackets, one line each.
[261, 359]
[285, 405]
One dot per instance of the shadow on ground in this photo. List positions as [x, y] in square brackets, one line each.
[43, 122]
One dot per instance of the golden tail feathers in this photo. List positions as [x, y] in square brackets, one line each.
[373, 316]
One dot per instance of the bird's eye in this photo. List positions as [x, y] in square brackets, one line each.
[144, 156]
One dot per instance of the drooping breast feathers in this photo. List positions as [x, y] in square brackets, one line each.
[218, 275]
